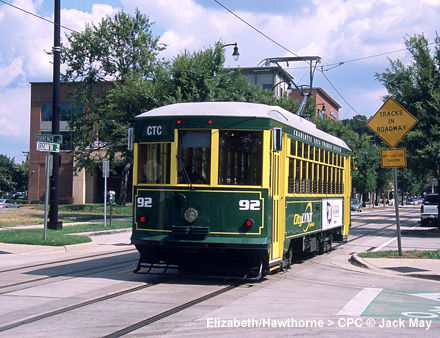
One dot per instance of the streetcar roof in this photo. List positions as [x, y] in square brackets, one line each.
[243, 109]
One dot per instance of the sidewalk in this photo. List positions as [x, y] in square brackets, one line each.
[418, 268]
[113, 237]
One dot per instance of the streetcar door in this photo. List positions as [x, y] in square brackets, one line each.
[277, 190]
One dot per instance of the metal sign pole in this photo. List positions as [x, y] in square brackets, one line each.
[105, 173]
[396, 206]
[46, 197]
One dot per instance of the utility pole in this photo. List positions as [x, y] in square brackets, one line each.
[54, 180]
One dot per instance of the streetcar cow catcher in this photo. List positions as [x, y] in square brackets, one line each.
[235, 188]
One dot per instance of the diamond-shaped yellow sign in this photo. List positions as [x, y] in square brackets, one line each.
[392, 122]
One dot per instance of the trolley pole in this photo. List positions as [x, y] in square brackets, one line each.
[396, 206]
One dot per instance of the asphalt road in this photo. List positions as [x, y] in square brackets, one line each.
[92, 292]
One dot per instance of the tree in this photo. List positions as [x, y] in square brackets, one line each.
[200, 76]
[417, 88]
[13, 176]
[109, 63]
[369, 176]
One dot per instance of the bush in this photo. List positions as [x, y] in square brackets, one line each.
[65, 200]
[36, 201]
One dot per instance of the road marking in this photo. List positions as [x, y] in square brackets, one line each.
[389, 242]
[384, 244]
[431, 296]
[360, 302]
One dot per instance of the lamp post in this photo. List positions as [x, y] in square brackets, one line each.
[235, 54]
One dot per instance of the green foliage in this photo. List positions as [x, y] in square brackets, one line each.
[435, 254]
[417, 88]
[36, 201]
[109, 61]
[369, 175]
[13, 176]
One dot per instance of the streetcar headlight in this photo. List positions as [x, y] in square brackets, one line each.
[191, 215]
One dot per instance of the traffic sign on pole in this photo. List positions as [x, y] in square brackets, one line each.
[392, 122]
[393, 158]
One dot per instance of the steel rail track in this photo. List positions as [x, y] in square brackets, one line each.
[169, 312]
[65, 261]
[70, 275]
[61, 310]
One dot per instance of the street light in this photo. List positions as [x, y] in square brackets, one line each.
[235, 54]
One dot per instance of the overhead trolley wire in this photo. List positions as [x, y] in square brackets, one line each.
[37, 16]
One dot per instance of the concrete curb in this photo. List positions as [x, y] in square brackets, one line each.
[360, 262]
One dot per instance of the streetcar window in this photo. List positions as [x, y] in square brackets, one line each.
[306, 151]
[293, 147]
[240, 157]
[154, 163]
[194, 156]
[291, 179]
[300, 148]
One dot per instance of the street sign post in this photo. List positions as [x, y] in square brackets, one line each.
[392, 122]
[105, 174]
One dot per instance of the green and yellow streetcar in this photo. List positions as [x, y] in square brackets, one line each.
[235, 188]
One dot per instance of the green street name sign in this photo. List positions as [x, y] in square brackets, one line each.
[49, 138]
[46, 146]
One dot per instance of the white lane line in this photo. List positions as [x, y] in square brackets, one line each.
[384, 244]
[357, 305]
[389, 242]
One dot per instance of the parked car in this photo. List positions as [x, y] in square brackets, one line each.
[355, 205]
[429, 209]
[412, 201]
[5, 203]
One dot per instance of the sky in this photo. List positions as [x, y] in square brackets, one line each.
[355, 38]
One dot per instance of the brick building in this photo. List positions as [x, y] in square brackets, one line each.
[81, 188]
[326, 107]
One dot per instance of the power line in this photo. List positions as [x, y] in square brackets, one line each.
[337, 91]
[288, 50]
[255, 29]
[37, 16]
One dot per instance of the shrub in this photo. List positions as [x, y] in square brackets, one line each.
[36, 201]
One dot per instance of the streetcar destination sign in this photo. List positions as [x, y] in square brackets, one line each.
[392, 122]
[49, 138]
[46, 146]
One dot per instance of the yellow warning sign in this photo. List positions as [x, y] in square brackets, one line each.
[393, 158]
[392, 122]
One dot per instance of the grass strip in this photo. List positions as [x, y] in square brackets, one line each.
[423, 254]
[57, 237]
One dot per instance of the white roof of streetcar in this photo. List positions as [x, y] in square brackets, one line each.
[243, 109]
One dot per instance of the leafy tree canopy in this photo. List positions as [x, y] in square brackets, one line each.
[416, 86]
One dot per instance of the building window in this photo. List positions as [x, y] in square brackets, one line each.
[67, 110]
